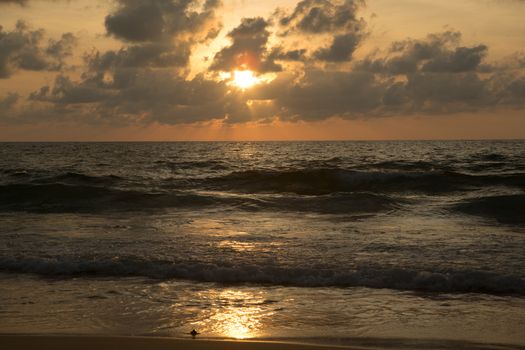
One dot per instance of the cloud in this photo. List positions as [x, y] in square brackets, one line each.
[336, 20]
[437, 53]
[22, 49]
[122, 90]
[515, 92]
[143, 81]
[322, 94]
[462, 59]
[341, 49]
[9, 101]
[248, 49]
[430, 92]
[434, 75]
[144, 97]
[322, 16]
[59, 49]
[144, 55]
[67, 92]
[310, 50]
[158, 20]
[279, 53]
[7, 106]
[17, 2]
[157, 34]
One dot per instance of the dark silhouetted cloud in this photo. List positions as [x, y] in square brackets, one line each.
[341, 49]
[141, 55]
[146, 96]
[323, 16]
[8, 101]
[17, 2]
[157, 33]
[310, 51]
[336, 19]
[248, 49]
[156, 20]
[321, 94]
[437, 53]
[22, 49]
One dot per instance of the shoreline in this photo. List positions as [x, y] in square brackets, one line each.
[28, 341]
[89, 342]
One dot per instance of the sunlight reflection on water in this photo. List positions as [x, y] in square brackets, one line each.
[235, 314]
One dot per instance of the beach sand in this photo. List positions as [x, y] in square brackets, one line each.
[38, 342]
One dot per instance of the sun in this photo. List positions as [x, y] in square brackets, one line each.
[244, 79]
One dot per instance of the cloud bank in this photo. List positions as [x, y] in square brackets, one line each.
[305, 56]
[23, 49]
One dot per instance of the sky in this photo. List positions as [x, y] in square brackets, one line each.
[167, 70]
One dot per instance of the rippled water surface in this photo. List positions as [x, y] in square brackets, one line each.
[322, 241]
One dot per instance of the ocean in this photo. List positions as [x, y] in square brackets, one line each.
[374, 244]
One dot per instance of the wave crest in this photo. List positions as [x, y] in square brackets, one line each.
[81, 198]
[460, 281]
[330, 180]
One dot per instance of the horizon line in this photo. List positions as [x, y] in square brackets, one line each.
[268, 140]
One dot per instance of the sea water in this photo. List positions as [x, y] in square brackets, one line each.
[372, 244]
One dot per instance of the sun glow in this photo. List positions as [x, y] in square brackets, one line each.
[244, 79]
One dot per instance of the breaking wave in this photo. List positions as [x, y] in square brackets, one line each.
[324, 190]
[450, 281]
[59, 197]
[331, 180]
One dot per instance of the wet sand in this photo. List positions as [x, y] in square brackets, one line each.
[38, 342]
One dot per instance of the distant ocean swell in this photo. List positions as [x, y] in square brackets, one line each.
[322, 190]
[307, 181]
[330, 180]
[78, 198]
[447, 281]
[477, 162]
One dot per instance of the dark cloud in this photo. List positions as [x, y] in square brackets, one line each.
[141, 55]
[437, 53]
[7, 105]
[282, 54]
[17, 2]
[158, 33]
[59, 49]
[341, 49]
[321, 94]
[144, 81]
[514, 62]
[323, 16]
[336, 19]
[516, 91]
[130, 94]
[157, 20]
[146, 96]
[67, 92]
[462, 59]
[22, 49]
[434, 75]
[248, 49]
[147, 81]
[8, 101]
[431, 92]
